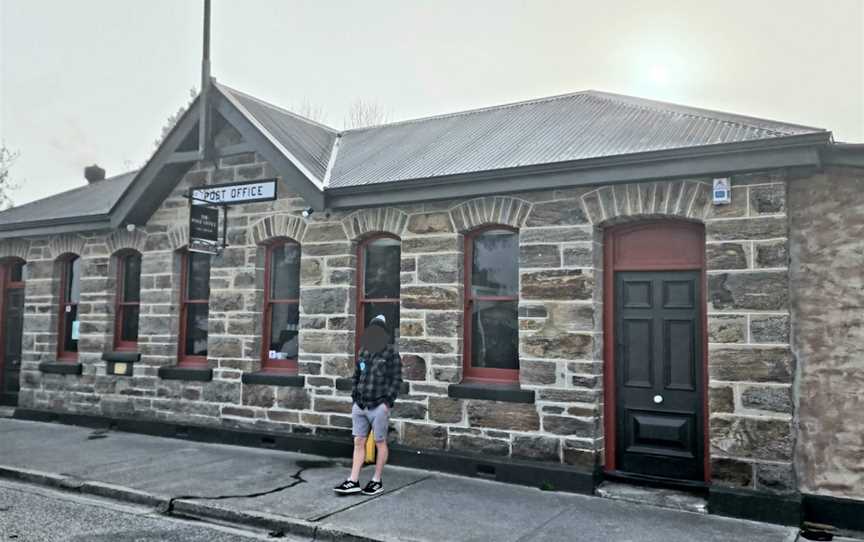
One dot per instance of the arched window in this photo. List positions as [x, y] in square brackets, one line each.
[127, 300]
[69, 297]
[378, 267]
[194, 309]
[281, 306]
[492, 304]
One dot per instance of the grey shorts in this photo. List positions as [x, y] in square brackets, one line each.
[378, 418]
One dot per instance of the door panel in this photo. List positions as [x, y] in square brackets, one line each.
[13, 327]
[658, 373]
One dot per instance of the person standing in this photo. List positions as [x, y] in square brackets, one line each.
[377, 379]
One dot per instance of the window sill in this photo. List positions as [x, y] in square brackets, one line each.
[122, 356]
[274, 379]
[176, 372]
[60, 367]
[507, 393]
[347, 384]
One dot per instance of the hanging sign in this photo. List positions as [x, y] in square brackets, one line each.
[203, 229]
[233, 193]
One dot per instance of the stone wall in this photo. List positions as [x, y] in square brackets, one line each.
[560, 320]
[827, 250]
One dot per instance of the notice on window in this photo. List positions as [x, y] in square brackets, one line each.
[75, 329]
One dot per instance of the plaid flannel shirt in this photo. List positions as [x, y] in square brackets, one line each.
[379, 380]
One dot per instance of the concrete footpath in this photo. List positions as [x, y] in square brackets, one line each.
[292, 493]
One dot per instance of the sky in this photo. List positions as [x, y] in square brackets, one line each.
[93, 81]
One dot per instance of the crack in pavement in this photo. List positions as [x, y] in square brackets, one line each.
[297, 476]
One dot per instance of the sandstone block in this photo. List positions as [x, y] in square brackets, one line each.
[771, 328]
[727, 329]
[498, 415]
[571, 427]
[536, 372]
[479, 445]
[323, 300]
[445, 409]
[731, 472]
[258, 396]
[720, 399]
[775, 399]
[751, 364]
[768, 199]
[558, 346]
[752, 438]
[725, 256]
[564, 212]
[759, 290]
[539, 256]
[431, 297]
[424, 436]
[561, 284]
[438, 222]
[537, 448]
[439, 268]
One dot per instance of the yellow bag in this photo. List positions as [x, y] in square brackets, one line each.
[370, 448]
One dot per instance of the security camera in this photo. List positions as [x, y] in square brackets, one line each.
[307, 212]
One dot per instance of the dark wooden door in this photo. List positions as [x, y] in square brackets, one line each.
[658, 373]
[10, 361]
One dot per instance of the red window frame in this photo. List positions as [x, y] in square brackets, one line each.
[362, 300]
[66, 263]
[481, 373]
[275, 365]
[120, 303]
[184, 359]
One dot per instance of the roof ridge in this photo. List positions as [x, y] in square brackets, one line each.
[472, 111]
[279, 108]
[701, 112]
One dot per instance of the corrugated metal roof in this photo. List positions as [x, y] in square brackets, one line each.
[90, 200]
[564, 128]
[308, 141]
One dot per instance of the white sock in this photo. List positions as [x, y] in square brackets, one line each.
[376, 480]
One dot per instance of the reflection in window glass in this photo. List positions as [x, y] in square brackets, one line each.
[281, 306]
[492, 316]
[285, 271]
[284, 338]
[198, 276]
[196, 304]
[132, 278]
[381, 270]
[70, 294]
[494, 270]
[196, 329]
[495, 334]
[381, 259]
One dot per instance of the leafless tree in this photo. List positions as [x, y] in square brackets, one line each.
[311, 111]
[172, 119]
[364, 113]
[7, 158]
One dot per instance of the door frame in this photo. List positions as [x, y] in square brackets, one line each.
[690, 261]
[5, 285]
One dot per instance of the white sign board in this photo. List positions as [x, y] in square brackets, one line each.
[230, 194]
[722, 192]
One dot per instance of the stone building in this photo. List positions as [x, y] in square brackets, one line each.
[569, 301]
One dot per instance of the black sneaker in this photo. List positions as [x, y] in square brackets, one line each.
[373, 488]
[347, 487]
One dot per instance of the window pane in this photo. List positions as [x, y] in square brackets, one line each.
[285, 272]
[495, 335]
[284, 341]
[196, 329]
[495, 266]
[381, 271]
[129, 323]
[17, 272]
[390, 312]
[132, 277]
[70, 331]
[73, 277]
[198, 280]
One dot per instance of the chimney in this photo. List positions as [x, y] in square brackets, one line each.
[94, 174]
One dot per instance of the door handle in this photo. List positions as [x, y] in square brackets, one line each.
[658, 399]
